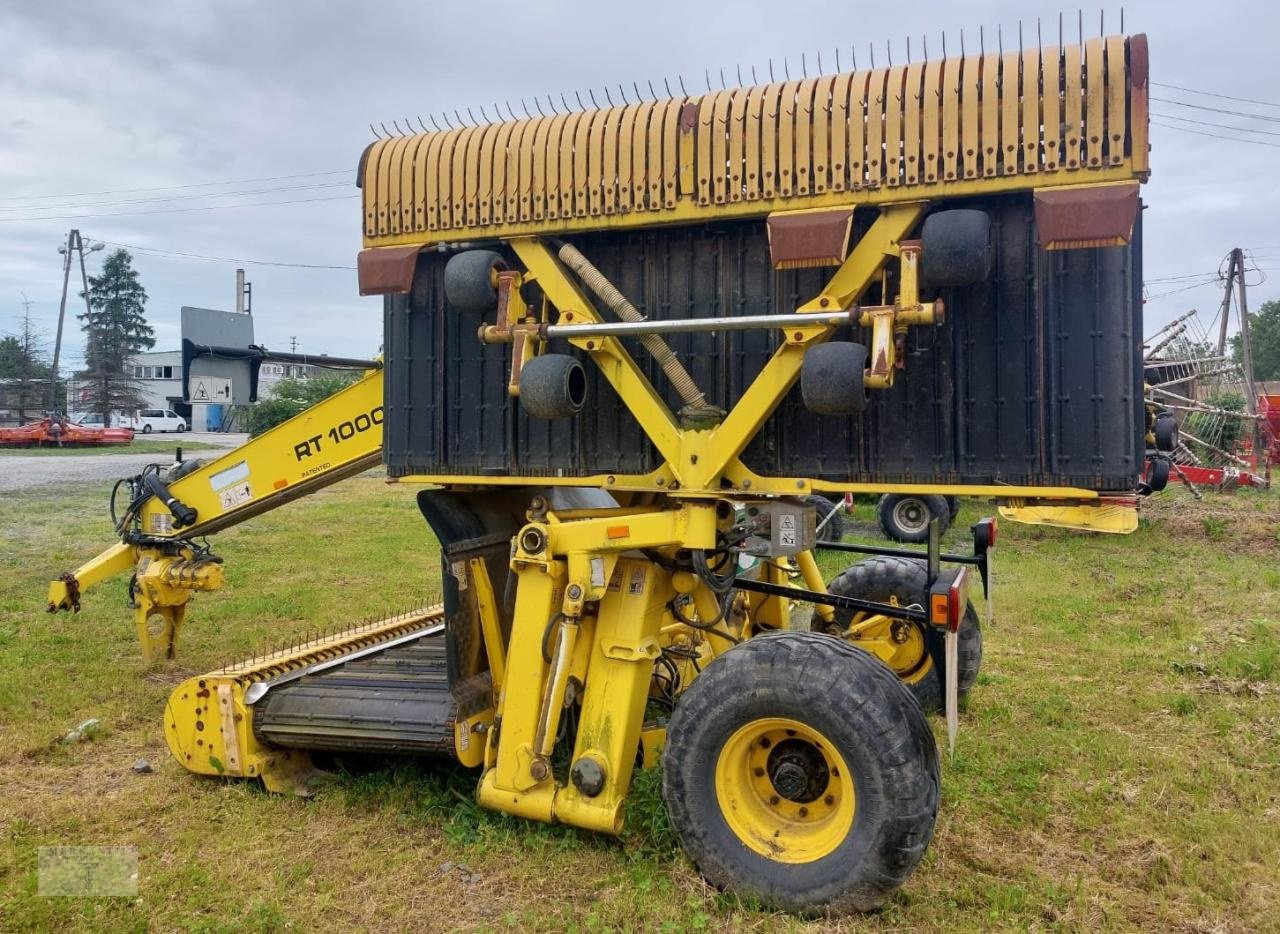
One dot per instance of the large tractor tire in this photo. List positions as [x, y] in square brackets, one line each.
[904, 517]
[829, 519]
[917, 648]
[799, 771]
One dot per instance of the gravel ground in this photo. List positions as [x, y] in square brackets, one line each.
[19, 473]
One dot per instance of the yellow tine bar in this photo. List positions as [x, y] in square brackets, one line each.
[858, 131]
[894, 103]
[839, 132]
[1095, 126]
[1073, 105]
[1029, 67]
[951, 119]
[751, 179]
[670, 158]
[970, 130]
[769, 140]
[989, 127]
[912, 99]
[1010, 114]
[1051, 63]
[804, 136]
[1116, 95]
[737, 144]
[875, 127]
[931, 129]
[786, 172]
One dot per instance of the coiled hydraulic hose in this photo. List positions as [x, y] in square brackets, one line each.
[690, 394]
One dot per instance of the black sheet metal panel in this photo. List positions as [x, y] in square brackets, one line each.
[1033, 379]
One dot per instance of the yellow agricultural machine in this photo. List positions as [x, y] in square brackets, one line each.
[625, 347]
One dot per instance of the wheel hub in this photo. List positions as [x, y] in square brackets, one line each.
[784, 790]
[912, 514]
[797, 771]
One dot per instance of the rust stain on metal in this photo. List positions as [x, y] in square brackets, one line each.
[386, 270]
[1086, 217]
[809, 238]
[688, 117]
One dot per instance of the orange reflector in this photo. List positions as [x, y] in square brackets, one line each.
[280, 484]
[938, 607]
[618, 531]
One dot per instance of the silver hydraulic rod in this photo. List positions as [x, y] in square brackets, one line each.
[689, 325]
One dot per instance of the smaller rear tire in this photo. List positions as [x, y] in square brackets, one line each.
[904, 517]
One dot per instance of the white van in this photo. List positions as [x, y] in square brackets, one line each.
[149, 420]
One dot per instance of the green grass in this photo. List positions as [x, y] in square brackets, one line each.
[1117, 767]
[137, 446]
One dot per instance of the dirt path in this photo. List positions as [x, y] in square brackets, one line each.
[21, 472]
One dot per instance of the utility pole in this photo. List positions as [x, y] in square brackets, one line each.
[74, 242]
[293, 345]
[72, 237]
[1246, 351]
[1224, 313]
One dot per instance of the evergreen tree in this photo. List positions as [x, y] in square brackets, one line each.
[115, 328]
[24, 365]
[1264, 340]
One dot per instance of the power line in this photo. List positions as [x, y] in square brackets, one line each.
[1234, 139]
[1225, 97]
[1221, 126]
[1185, 288]
[193, 197]
[222, 259]
[1217, 110]
[210, 207]
[1193, 275]
[132, 191]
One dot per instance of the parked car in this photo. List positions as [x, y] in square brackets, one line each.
[149, 420]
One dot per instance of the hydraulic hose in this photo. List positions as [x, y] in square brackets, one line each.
[183, 515]
[688, 390]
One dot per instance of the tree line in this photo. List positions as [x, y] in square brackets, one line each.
[115, 328]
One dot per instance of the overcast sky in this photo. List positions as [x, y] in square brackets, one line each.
[139, 95]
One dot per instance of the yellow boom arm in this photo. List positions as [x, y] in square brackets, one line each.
[330, 441]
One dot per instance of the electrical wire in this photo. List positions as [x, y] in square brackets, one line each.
[1221, 126]
[1217, 110]
[211, 207]
[1233, 139]
[130, 191]
[193, 197]
[1225, 97]
[220, 259]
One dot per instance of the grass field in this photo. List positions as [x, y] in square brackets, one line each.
[137, 446]
[1118, 764]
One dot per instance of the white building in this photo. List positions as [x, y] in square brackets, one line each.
[158, 374]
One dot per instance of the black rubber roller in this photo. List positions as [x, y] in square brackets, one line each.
[470, 283]
[955, 248]
[553, 385]
[1166, 432]
[833, 378]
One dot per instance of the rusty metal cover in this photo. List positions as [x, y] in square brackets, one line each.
[803, 239]
[386, 270]
[1075, 218]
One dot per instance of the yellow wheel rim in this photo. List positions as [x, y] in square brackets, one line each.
[784, 790]
[899, 643]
